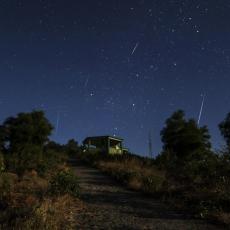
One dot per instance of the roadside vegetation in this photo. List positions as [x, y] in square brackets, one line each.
[37, 189]
[187, 174]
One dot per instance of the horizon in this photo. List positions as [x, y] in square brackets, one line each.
[79, 138]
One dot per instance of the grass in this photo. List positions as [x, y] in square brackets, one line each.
[134, 174]
[29, 202]
[51, 214]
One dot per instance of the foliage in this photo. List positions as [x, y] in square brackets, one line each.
[72, 148]
[27, 162]
[91, 157]
[28, 206]
[225, 129]
[6, 183]
[153, 183]
[2, 163]
[22, 141]
[51, 161]
[53, 146]
[26, 128]
[200, 176]
[2, 138]
[64, 182]
[27, 157]
[186, 147]
[182, 137]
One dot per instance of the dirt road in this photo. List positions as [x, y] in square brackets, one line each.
[110, 206]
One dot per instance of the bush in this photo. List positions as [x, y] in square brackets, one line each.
[26, 158]
[2, 163]
[64, 182]
[153, 184]
[51, 160]
[6, 184]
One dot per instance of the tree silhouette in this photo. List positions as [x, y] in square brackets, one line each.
[182, 137]
[22, 140]
[225, 129]
[26, 129]
[72, 147]
[187, 152]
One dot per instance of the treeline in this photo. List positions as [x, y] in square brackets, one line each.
[37, 188]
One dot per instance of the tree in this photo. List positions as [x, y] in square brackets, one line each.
[72, 147]
[52, 145]
[26, 128]
[187, 155]
[2, 138]
[182, 137]
[54, 155]
[2, 164]
[27, 157]
[224, 127]
[23, 138]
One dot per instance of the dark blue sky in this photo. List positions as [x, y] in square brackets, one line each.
[115, 67]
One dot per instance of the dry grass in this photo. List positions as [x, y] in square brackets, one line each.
[135, 183]
[222, 217]
[51, 214]
[30, 206]
[59, 213]
[134, 173]
[31, 182]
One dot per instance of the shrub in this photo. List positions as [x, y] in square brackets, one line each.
[6, 184]
[64, 182]
[135, 183]
[27, 157]
[2, 163]
[153, 183]
[72, 148]
[51, 160]
[31, 183]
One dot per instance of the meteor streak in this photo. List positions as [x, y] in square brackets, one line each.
[134, 49]
[201, 110]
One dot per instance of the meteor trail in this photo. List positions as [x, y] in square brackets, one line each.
[134, 49]
[201, 109]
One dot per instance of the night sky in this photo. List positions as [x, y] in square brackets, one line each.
[118, 67]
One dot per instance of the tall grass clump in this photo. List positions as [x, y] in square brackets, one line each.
[64, 182]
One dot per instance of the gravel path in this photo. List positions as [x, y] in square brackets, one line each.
[110, 206]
